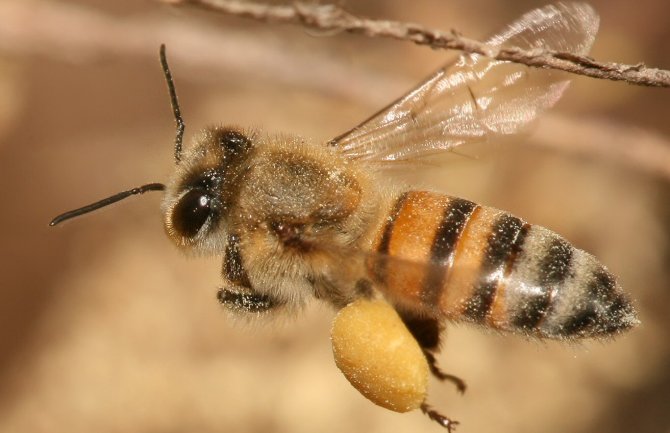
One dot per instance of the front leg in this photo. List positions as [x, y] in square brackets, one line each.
[240, 296]
[245, 300]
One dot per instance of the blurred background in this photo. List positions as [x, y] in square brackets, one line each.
[105, 327]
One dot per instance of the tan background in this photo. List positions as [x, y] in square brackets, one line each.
[104, 327]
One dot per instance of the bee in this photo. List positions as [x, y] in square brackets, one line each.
[296, 221]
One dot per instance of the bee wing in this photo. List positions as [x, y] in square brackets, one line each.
[476, 97]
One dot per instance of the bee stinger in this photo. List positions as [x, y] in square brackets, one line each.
[296, 221]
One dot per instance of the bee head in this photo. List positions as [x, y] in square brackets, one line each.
[199, 194]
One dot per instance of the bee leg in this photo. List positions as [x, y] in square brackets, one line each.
[442, 420]
[435, 370]
[246, 301]
[241, 297]
[427, 332]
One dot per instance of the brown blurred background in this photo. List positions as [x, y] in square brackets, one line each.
[104, 327]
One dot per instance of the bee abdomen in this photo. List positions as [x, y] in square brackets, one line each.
[555, 290]
[453, 258]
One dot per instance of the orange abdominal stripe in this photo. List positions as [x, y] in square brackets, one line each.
[420, 239]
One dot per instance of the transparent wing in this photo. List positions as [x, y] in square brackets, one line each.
[476, 97]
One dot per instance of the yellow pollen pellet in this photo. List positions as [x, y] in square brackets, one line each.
[379, 356]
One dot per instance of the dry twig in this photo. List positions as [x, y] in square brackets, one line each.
[332, 17]
[81, 34]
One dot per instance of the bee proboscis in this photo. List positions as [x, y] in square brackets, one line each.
[296, 221]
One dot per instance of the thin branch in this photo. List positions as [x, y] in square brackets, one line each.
[65, 32]
[332, 17]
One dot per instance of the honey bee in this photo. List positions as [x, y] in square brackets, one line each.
[296, 221]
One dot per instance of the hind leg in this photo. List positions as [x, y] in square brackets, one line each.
[427, 332]
[439, 374]
[442, 420]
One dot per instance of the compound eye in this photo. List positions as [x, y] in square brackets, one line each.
[192, 212]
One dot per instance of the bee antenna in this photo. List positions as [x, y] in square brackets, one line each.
[175, 105]
[106, 202]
